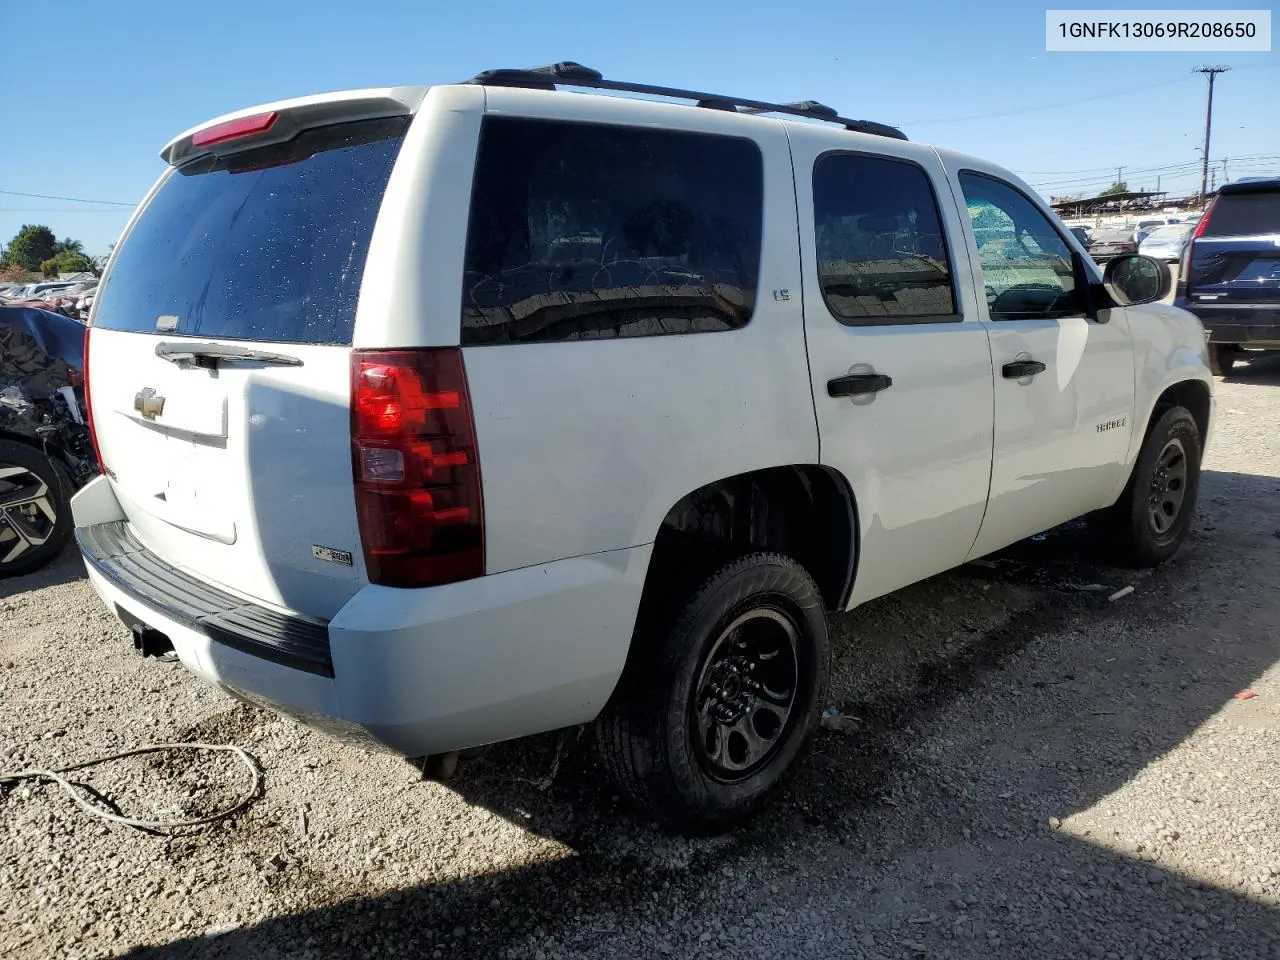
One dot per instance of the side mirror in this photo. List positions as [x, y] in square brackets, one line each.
[1134, 279]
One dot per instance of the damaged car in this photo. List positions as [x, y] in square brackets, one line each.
[46, 452]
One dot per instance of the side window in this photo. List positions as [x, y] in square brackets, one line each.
[882, 257]
[1026, 265]
[586, 231]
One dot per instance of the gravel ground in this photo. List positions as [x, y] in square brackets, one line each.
[1025, 770]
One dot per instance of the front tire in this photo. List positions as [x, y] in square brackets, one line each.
[702, 732]
[35, 513]
[1153, 516]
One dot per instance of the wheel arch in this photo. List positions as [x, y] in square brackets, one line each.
[49, 449]
[28, 440]
[1188, 388]
[805, 511]
[1195, 395]
[1192, 392]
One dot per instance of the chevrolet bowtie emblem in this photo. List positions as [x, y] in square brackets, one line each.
[148, 404]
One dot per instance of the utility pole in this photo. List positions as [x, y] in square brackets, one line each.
[1119, 171]
[1211, 73]
[1224, 169]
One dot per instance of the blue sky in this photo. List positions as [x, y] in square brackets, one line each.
[121, 79]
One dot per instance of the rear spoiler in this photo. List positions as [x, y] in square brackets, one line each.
[292, 116]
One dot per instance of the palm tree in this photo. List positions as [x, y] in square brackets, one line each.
[69, 246]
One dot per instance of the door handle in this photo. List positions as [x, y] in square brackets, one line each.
[1018, 369]
[858, 384]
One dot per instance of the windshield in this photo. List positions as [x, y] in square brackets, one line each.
[264, 244]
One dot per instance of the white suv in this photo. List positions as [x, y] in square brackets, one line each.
[442, 416]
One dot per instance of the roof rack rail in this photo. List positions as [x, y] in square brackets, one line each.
[811, 107]
[570, 74]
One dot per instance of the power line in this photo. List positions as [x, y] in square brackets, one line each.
[1046, 106]
[1058, 173]
[1102, 172]
[55, 210]
[48, 196]
[1171, 170]
[1134, 171]
[1070, 103]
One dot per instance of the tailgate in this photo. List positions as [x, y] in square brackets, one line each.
[220, 363]
[1235, 270]
[1235, 256]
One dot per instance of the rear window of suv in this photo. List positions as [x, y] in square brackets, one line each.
[264, 244]
[584, 231]
[1244, 214]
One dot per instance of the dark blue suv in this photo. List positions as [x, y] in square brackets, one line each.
[1230, 275]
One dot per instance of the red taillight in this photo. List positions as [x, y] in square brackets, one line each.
[1204, 220]
[415, 466]
[1188, 251]
[234, 129]
[88, 405]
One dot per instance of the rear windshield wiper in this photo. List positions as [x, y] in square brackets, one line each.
[210, 354]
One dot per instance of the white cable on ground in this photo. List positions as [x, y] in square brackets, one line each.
[69, 788]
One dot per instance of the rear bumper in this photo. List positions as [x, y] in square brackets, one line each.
[116, 555]
[1252, 325]
[413, 671]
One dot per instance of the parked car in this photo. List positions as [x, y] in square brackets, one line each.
[45, 451]
[1146, 225]
[1165, 243]
[1230, 274]
[658, 386]
[1110, 243]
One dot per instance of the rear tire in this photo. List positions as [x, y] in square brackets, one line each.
[1153, 516]
[703, 731]
[1222, 357]
[35, 511]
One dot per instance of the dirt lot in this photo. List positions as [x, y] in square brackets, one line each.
[1035, 771]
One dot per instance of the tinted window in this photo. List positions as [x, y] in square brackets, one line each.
[881, 252]
[267, 244]
[1027, 267]
[1244, 214]
[586, 232]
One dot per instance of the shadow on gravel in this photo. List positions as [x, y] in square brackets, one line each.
[1263, 369]
[967, 631]
[974, 633]
[67, 568]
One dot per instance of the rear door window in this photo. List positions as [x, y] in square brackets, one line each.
[584, 231]
[882, 257]
[265, 244]
[1244, 214]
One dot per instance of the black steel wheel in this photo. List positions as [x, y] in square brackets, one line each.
[709, 722]
[1167, 490]
[35, 515]
[745, 697]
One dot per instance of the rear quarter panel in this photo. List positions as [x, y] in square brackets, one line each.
[585, 446]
